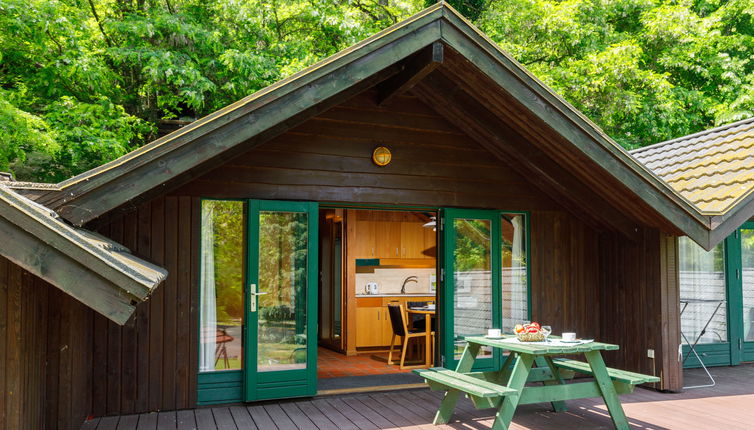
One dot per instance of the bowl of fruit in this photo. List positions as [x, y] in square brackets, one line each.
[530, 332]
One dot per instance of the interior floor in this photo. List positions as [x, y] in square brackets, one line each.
[331, 364]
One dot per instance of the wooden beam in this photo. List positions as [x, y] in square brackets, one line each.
[412, 71]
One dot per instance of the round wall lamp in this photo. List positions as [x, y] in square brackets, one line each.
[381, 156]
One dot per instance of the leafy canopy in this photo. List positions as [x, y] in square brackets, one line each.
[85, 81]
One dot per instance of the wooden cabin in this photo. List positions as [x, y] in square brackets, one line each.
[422, 151]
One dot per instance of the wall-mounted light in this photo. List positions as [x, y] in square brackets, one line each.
[381, 156]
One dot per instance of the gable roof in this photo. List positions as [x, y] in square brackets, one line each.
[714, 169]
[96, 271]
[573, 139]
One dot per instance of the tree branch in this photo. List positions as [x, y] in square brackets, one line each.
[99, 23]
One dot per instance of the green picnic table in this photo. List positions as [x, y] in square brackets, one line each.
[506, 388]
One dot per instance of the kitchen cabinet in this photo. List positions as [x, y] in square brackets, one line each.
[364, 240]
[387, 238]
[413, 241]
[373, 326]
[391, 240]
[369, 326]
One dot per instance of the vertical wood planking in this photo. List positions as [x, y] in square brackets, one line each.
[3, 339]
[185, 327]
[13, 342]
[170, 338]
[128, 225]
[142, 249]
[192, 206]
[156, 301]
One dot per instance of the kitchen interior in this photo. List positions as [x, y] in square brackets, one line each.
[370, 259]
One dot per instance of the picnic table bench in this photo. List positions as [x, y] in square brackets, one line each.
[506, 388]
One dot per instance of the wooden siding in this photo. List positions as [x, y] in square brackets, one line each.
[328, 158]
[44, 353]
[151, 363]
[565, 274]
[639, 304]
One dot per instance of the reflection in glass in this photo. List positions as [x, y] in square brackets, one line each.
[514, 276]
[221, 285]
[702, 279]
[282, 286]
[747, 261]
[473, 281]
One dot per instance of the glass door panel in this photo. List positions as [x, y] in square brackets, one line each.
[747, 293]
[472, 291]
[282, 300]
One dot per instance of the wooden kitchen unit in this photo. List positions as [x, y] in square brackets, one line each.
[373, 327]
[391, 240]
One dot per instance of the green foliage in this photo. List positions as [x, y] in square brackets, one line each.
[229, 245]
[643, 70]
[84, 81]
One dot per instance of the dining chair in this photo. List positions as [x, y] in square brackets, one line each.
[400, 328]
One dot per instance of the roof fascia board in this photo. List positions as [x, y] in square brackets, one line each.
[564, 119]
[63, 271]
[302, 79]
[97, 259]
[130, 183]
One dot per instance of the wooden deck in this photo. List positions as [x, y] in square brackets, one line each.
[729, 405]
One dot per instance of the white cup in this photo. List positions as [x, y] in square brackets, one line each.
[493, 332]
[569, 336]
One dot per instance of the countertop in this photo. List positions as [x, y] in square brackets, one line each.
[397, 295]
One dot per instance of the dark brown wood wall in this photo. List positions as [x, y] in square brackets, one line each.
[45, 344]
[565, 273]
[328, 159]
[150, 363]
[639, 304]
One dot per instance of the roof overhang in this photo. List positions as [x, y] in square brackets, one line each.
[92, 269]
[267, 113]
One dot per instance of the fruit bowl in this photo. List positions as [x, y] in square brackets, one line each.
[531, 337]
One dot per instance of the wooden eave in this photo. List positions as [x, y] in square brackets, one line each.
[176, 158]
[90, 268]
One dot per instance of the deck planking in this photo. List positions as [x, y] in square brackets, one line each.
[727, 405]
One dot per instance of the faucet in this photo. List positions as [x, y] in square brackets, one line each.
[407, 280]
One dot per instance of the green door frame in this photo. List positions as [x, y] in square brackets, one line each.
[447, 229]
[282, 383]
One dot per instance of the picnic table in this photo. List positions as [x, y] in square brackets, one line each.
[505, 389]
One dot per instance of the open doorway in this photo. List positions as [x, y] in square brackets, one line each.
[377, 274]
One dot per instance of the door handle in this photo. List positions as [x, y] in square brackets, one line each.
[253, 297]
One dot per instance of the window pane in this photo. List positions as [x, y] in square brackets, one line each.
[473, 281]
[747, 257]
[283, 238]
[702, 279]
[514, 276]
[221, 285]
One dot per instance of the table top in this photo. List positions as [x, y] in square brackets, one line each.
[540, 349]
[420, 311]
